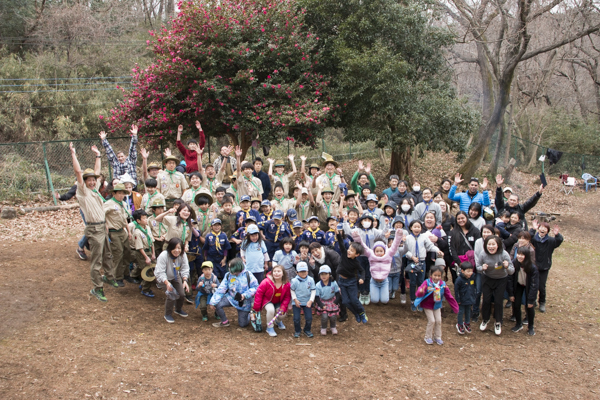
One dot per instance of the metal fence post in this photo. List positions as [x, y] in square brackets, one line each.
[48, 176]
[582, 164]
[208, 141]
[323, 142]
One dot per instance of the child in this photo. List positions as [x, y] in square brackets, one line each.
[279, 175]
[211, 180]
[305, 204]
[273, 295]
[372, 209]
[274, 231]
[203, 200]
[328, 299]
[142, 249]
[348, 271]
[416, 248]
[227, 217]
[215, 248]
[159, 230]
[256, 204]
[429, 297]
[239, 235]
[118, 232]
[286, 257]
[465, 292]
[266, 212]
[524, 280]
[298, 229]
[279, 201]
[395, 270]
[172, 183]
[254, 253]
[151, 194]
[314, 234]
[389, 214]
[407, 212]
[246, 184]
[207, 285]
[325, 206]
[245, 211]
[303, 292]
[380, 261]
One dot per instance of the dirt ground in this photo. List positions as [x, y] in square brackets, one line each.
[57, 342]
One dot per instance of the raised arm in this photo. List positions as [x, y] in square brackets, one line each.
[76, 166]
[178, 143]
[238, 154]
[294, 170]
[271, 161]
[370, 176]
[110, 154]
[201, 136]
[303, 166]
[98, 163]
[133, 144]
[145, 155]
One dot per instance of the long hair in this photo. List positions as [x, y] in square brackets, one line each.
[190, 218]
[498, 241]
[172, 244]
[468, 224]
[247, 240]
[284, 277]
[527, 264]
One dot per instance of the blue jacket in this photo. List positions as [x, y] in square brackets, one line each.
[303, 288]
[231, 285]
[252, 212]
[266, 183]
[465, 291]
[465, 199]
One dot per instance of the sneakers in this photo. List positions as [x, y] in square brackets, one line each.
[308, 334]
[497, 328]
[402, 299]
[169, 319]
[149, 293]
[393, 296]
[217, 316]
[204, 318]
[343, 319]
[419, 309]
[475, 317]
[517, 328]
[120, 283]
[81, 254]
[525, 321]
[137, 280]
[483, 325]
[111, 282]
[296, 335]
[361, 298]
[181, 313]
[467, 328]
[513, 318]
[324, 332]
[334, 331]
[271, 332]
[221, 324]
[439, 341]
[508, 304]
[428, 341]
[413, 308]
[367, 299]
[280, 325]
[460, 328]
[357, 318]
[363, 318]
[543, 307]
[531, 331]
[189, 299]
[99, 294]
[130, 279]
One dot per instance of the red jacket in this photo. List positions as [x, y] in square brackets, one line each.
[191, 157]
[266, 291]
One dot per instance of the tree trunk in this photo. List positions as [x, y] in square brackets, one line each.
[509, 135]
[493, 169]
[401, 164]
[245, 143]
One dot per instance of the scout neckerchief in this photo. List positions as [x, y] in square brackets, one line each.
[427, 204]
[176, 266]
[280, 176]
[145, 232]
[252, 182]
[328, 206]
[268, 215]
[277, 233]
[204, 218]
[184, 232]
[171, 173]
[150, 196]
[334, 235]
[160, 225]
[217, 242]
[314, 233]
[303, 208]
[194, 192]
[237, 197]
[416, 244]
[122, 206]
[437, 290]
[247, 212]
[330, 179]
[367, 240]
[210, 183]
[99, 195]
[280, 201]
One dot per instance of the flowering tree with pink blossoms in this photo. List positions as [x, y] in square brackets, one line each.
[244, 68]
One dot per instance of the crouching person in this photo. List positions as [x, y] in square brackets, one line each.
[172, 272]
[236, 290]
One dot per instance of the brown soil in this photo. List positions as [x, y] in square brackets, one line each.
[58, 342]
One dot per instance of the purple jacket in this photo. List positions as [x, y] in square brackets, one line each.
[380, 266]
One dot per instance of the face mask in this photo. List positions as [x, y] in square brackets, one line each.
[405, 207]
[366, 224]
[416, 188]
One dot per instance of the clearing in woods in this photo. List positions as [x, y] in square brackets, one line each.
[58, 342]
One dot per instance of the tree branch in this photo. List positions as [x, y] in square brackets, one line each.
[556, 45]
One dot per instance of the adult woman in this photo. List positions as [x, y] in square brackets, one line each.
[475, 211]
[487, 230]
[172, 272]
[445, 189]
[544, 247]
[448, 220]
[236, 290]
[461, 243]
[437, 237]
[407, 212]
[178, 225]
[495, 265]
[273, 294]
[523, 283]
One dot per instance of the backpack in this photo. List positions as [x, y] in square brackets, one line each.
[256, 322]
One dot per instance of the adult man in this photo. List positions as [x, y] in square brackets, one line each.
[121, 163]
[190, 154]
[91, 203]
[512, 204]
[263, 176]
[226, 161]
[329, 178]
[389, 192]
[246, 183]
[470, 196]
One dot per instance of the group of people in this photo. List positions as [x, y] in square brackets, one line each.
[272, 241]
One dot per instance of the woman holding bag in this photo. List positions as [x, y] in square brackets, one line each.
[172, 272]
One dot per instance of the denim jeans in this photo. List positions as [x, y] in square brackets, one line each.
[364, 263]
[416, 276]
[259, 276]
[464, 312]
[243, 316]
[83, 242]
[394, 281]
[380, 291]
[403, 276]
[478, 282]
[349, 289]
[307, 318]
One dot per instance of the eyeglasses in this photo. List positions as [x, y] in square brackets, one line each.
[474, 180]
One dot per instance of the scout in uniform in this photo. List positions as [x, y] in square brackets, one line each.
[190, 194]
[279, 201]
[91, 203]
[372, 209]
[233, 191]
[151, 194]
[215, 248]
[171, 183]
[203, 200]
[158, 229]
[152, 170]
[246, 183]
[274, 231]
[266, 212]
[325, 206]
[329, 179]
[227, 217]
[217, 206]
[133, 199]
[245, 211]
[312, 171]
[298, 229]
[211, 180]
[313, 233]
[305, 204]
[142, 244]
[118, 230]
[178, 225]
[280, 175]
[239, 235]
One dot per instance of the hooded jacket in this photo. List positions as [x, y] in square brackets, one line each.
[544, 249]
[266, 291]
[465, 290]
[380, 266]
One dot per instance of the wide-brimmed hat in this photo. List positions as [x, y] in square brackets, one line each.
[279, 163]
[126, 178]
[158, 202]
[170, 158]
[153, 165]
[148, 273]
[89, 172]
[314, 165]
[328, 158]
[204, 195]
[120, 187]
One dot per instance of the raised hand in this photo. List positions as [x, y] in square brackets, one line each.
[555, 230]
[145, 153]
[102, 135]
[95, 150]
[298, 185]
[484, 183]
[368, 169]
[198, 125]
[167, 152]
[499, 180]
[72, 148]
[541, 190]
[535, 225]
[361, 165]
[238, 151]
[339, 171]
[303, 158]
[291, 157]
[229, 150]
[134, 130]
[270, 160]
[180, 128]
[458, 179]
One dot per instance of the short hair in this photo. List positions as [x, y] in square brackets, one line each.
[360, 175]
[228, 196]
[138, 214]
[227, 200]
[358, 248]
[446, 180]
[505, 213]
[495, 239]
[151, 183]
[278, 184]
[414, 222]
[474, 180]
[396, 177]
[488, 227]
[466, 265]
[545, 225]
[314, 245]
[353, 210]
[172, 244]
[304, 243]
[236, 265]
[220, 189]
[524, 235]
[430, 191]
[246, 165]
[517, 214]
[257, 159]
[436, 268]
[286, 240]
[201, 201]
[192, 141]
[196, 174]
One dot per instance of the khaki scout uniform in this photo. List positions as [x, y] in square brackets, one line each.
[158, 230]
[181, 231]
[148, 199]
[330, 182]
[190, 194]
[211, 184]
[141, 241]
[91, 203]
[249, 186]
[284, 179]
[282, 204]
[116, 220]
[171, 185]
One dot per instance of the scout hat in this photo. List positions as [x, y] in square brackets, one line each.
[291, 214]
[329, 159]
[350, 193]
[326, 190]
[207, 264]
[255, 200]
[170, 158]
[153, 165]
[126, 178]
[265, 203]
[158, 202]
[324, 269]
[119, 187]
[204, 195]
[278, 214]
[244, 198]
[215, 222]
[279, 163]
[148, 273]
[301, 266]
[298, 224]
[313, 165]
[89, 172]
[372, 197]
[252, 229]
[233, 177]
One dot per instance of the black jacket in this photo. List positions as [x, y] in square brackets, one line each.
[418, 196]
[457, 244]
[509, 234]
[348, 267]
[398, 197]
[69, 195]
[520, 208]
[532, 283]
[465, 290]
[449, 223]
[266, 183]
[544, 249]
[332, 259]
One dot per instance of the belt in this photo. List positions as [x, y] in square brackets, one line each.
[96, 223]
[115, 230]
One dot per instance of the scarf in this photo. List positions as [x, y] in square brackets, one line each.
[437, 291]
[303, 208]
[416, 245]
[427, 204]
[184, 232]
[217, 242]
[277, 233]
[210, 183]
[99, 195]
[330, 179]
[367, 240]
[176, 266]
[194, 193]
[145, 232]
[540, 239]
[160, 225]
[328, 207]
[280, 176]
[280, 201]
[237, 197]
[334, 235]
[171, 173]
[268, 215]
[122, 206]
[204, 218]
[249, 180]
[314, 233]
[150, 196]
